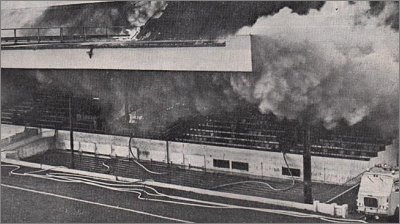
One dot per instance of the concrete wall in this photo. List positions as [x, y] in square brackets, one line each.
[10, 130]
[268, 164]
[324, 169]
[260, 163]
[36, 147]
[29, 145]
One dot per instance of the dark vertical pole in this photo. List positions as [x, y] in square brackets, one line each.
[167, 145]
[138, 153]
[395, 144]
[38, 35]
[15, 36]
[61, 35]
[307, 166]
[126, 103]
[71, 132]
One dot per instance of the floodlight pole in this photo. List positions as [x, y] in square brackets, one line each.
[71, 132]
[307, 166]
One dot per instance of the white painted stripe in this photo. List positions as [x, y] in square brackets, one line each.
[94, 203]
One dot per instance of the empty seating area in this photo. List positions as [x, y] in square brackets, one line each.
[51, 110]
[268, 134]
[16, 114]
[258, 134]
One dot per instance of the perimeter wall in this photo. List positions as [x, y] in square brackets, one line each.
[234, 160]
[259, 163]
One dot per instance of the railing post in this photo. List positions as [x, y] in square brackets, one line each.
[15, 36]
[107, 32]
[61, 35]
[38, 35]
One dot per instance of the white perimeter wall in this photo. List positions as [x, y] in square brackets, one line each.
[269, 164]
[10, 130]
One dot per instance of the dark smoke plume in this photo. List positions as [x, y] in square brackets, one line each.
[162, 98]
[388, 12]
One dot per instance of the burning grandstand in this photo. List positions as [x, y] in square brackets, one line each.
[231, 99]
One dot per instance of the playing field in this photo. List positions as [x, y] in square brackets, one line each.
[27, 198]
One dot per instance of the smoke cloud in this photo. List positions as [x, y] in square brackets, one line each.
[139, 13]
[331, 64]
[161, 98]
[11, 18]
[339, 62]
[132, 15]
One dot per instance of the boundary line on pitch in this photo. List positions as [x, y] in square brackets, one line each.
[93, 203]
[283, 203]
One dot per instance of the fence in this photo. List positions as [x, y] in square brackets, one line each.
[59, 34]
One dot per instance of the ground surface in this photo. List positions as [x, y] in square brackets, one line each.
[191, 178]
[32, 199]
[40, 199]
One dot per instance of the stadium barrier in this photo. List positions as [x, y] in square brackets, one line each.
[332, 209]
[260, 163]
[28, 143]
[28, 132]
[322, 208]
[8, 130]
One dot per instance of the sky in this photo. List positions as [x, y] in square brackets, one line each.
[31, 4]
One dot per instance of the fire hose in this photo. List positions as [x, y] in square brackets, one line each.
[262, 182]
[141, 190]
[135, 160]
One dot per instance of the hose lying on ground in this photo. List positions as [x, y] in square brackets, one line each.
[262, 182]
[141, 190]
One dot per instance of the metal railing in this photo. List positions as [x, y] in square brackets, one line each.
[52, 35]
[60, 34]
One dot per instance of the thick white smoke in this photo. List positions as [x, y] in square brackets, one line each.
[144, 10]
[336, 63]
[12, 18]
[141, 13]
[131, 14]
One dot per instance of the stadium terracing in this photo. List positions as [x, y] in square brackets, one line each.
[248, 129]
[104, 49]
